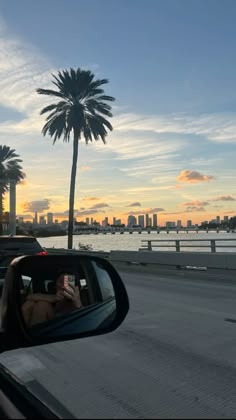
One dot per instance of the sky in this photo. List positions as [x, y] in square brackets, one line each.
[171, 66]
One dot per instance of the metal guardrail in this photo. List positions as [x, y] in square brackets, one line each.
[150, 244]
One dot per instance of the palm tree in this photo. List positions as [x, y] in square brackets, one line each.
[10, 168]
[81, 111]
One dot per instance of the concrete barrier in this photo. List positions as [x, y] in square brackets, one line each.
[219, 260]
[225, 261]
[63, 251]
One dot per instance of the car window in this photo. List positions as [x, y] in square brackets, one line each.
[21, 245]
[104, 281]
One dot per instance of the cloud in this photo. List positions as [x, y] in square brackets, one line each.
[194, 209]
[85, 168]
[218, 127]
[193, 177]
[98, 206]
[224, 198]
[136, 204]
[90, 199]
[196, 203]
[37, 205]
[88, 212]
[145, 211]
[22, 70]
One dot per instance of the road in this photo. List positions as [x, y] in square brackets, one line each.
[173, 357]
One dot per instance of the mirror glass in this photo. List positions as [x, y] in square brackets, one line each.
[64, 300]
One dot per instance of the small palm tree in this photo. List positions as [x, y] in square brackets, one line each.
[81, 111]
[10, 168]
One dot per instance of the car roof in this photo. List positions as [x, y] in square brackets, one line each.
[16, 237]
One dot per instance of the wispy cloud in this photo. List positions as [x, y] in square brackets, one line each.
[88, 212]
[193, 209]
[90, 199]
[145, 211]
[136, 204]
[85, 168]
[193, 177]
[224, 198]
[99, 206]
[217, 127]
[196, 203]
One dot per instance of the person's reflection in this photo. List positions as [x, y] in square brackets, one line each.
[40, 307]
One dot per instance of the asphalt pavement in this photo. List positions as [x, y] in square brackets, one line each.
[173, 357]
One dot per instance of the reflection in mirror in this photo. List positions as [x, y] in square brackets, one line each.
[62, 301]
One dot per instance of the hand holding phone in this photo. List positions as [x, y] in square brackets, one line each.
[69, 280]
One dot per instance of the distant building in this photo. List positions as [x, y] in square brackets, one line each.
[105, 222]
[150, 221]
[56, 221]
[118, 222]
[218, 220]
[35, 220]
[91, 220]
[226, 219]
[189, 223]
[50, 218]
[21, 220]
[154, 218]
[146, 220]
[87, 220]
[141, 220]
[114, 220]
[131, 221]
[42, 220]
[170, 224]
[179, 223]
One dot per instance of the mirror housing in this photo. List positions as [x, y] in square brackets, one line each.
[101, 316]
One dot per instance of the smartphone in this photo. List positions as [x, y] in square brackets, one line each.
[69, 280]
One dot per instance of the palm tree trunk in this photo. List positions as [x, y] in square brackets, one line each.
[72, 189]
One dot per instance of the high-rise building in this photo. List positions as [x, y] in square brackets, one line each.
[150, 221]
[146, 220]
[87, 220]
[105, 222]
[141, 220]
[131, 220]
[170, 224]
[21, 219]
[42, 220]
[179, 223]
[114, 220]
[35, 218]
[226, 219]
[91, 220]
[154, 218]
[218, 220]
[50, 218]
[189, 223]
[118, 222]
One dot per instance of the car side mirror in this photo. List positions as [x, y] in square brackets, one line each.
[60, 297]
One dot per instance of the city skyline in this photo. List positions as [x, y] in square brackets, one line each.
[142, 220]
[172, 151]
